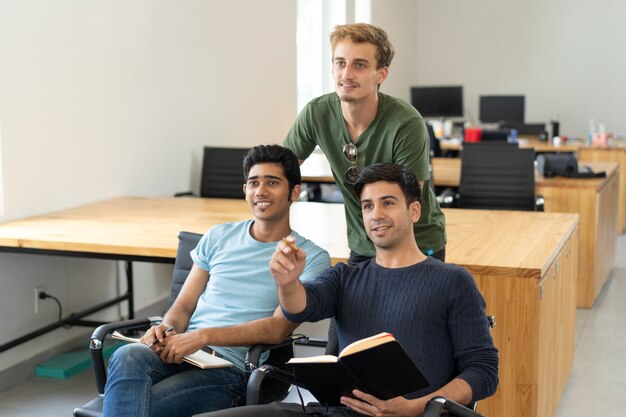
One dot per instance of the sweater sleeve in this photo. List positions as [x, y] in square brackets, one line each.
[322, 295]
[475, 353]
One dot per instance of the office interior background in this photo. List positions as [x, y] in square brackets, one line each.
[100, 99]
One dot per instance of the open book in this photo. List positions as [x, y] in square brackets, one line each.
[201, 359]
[377, 365]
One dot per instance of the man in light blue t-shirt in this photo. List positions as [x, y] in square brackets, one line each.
[236, 307]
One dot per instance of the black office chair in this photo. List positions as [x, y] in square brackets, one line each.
[498, 177]
[221, 173]
[187, 241]
[269, 374]
[435, 145]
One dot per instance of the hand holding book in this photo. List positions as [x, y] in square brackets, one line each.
[377, 365]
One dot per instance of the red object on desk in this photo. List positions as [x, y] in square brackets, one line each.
[473, 134]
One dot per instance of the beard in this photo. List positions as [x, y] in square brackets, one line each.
[346, 98]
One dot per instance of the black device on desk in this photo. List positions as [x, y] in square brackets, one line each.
[564, 165]
[535, 129]
[498, 135]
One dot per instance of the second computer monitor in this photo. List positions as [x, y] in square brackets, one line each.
[444, 101]
[501, 109]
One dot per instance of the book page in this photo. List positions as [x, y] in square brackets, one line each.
[314, 359]
[118, 335]
[205, 360]
[367, 343]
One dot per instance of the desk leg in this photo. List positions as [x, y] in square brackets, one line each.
[130, 290]
[75, 319]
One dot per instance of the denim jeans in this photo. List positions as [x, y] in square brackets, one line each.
[140, 384]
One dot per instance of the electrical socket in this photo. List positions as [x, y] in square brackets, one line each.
[37, 291]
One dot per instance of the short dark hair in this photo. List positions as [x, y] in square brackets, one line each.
[394, 173]
[268, 154]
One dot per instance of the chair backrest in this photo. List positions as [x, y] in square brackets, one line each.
[497, 177]
[187, 241]
[222, 172]
[435, 146]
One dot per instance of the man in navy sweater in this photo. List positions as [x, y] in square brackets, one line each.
[433, 309]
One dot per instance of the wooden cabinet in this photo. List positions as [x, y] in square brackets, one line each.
[618, 155]
[595, 200]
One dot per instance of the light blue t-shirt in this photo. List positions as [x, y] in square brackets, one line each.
[241, 287]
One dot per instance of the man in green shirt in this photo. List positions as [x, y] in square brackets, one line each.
[357, 126]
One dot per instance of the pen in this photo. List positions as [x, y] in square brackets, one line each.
[156, 339]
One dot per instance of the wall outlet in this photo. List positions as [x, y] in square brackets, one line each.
[37, 291]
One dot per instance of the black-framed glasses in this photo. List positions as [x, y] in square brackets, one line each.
[350, 152]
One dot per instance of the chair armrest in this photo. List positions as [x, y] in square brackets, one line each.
[253, 357]
[97, 340]
[435, 406]
[253, 391]
[448, 198]
[185, 194]
[539, 203]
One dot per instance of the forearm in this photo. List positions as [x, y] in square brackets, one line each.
[456, 390]
[177, 318]
[270, 330]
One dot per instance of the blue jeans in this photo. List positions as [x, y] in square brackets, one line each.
[140, 384]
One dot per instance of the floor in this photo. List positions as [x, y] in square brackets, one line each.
[596, 385]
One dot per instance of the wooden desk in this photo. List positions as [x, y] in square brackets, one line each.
[615, 154]
[524, 142]
[596, 200]
[446, 172]
[316, 169]
[524, 264]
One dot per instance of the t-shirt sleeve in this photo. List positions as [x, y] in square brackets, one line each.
[201, 254]
[301, 138]
[411, 147]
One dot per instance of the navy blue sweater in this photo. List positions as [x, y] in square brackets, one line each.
[433, 309]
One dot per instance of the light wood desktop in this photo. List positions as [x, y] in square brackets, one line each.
[595, 200]
[524, 264]
[524, 142]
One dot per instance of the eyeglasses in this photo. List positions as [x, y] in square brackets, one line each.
[350, 152]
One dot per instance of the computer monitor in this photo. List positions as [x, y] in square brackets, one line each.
[501, 109]
[444, 101]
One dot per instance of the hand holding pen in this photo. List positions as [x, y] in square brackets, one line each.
[165, 332]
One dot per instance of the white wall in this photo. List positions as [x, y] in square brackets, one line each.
[397, 18]
[106, 98]
[567, 57]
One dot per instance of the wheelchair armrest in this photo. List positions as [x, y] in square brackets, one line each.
[97, 340]
[253, 357]
[253, 392]
[435, 406]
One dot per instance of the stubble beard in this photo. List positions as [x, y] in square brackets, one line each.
[347, 99]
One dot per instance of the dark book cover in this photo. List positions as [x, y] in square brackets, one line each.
[385, 371]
